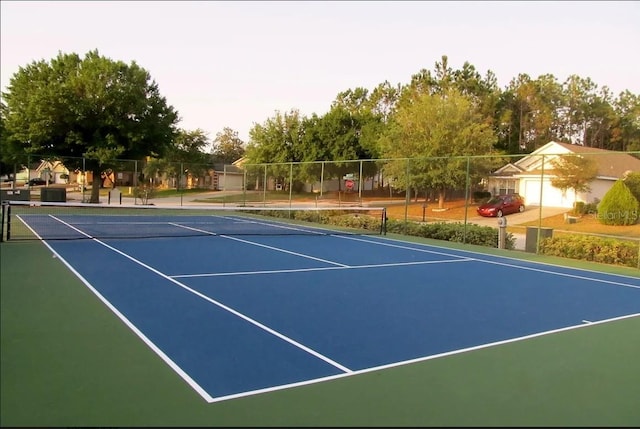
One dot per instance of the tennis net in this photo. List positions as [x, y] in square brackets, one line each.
[25, 220]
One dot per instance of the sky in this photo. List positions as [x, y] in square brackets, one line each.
[236, 63]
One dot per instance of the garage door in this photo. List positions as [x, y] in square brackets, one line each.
[552, 196]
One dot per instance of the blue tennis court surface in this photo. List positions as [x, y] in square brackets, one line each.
[239, 315]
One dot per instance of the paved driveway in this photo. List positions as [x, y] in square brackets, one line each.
[529, 215]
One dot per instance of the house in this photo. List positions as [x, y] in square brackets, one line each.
[531, 175]
[53, 172]
[223, 177]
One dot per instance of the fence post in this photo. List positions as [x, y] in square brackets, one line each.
[540, 209]
[321, 178]
[407, 197]
[264, 187]
[290, 184]
[360, 183]
[466, 201]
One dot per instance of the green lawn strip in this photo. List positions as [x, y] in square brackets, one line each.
[67, 360]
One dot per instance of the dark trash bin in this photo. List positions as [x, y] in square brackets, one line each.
[532, 237]
[15, 195]
[53, 195]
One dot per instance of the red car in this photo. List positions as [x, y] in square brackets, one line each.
[500, 205]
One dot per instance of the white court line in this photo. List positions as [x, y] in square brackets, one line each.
[399, 246]
[213, 301]
[307, 382]
[190, 381]
[275, 225]
[299, 270]
[575, 276]
[557, 273]
[277, 249]
[420, 359]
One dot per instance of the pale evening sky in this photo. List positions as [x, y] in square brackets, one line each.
[233, 64]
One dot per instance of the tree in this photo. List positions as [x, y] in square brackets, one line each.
[94, 108]
[626, 132]
[574, 172]
[277, 141]
[10, 154]
[437, 131]
[186, 156]
[227, 146]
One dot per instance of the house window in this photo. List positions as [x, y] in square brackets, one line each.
[506, 186]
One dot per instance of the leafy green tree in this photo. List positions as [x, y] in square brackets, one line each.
[91, 107]
[437, 131]
[625, 135]
[11, 156]
[227, 146]
[383, 100]
[186, 156]
[574, 172]
[277, 141]
[619, 206]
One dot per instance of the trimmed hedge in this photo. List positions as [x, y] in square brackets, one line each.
[453, 231]
[475, 234]
[591, 248]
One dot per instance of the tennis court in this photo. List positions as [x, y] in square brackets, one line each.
[239, 305]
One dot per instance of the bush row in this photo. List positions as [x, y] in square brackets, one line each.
[452, 231]
[591, 248]
[475, 234]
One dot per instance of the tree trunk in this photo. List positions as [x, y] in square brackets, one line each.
[441, 193]
[95, 187]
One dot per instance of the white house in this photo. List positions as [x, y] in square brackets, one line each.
[531, 175]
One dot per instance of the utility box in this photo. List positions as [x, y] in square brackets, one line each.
[532, 237]
[15, 195]
[53, 195]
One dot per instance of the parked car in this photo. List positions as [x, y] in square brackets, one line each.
[500, 205]
[37, 181]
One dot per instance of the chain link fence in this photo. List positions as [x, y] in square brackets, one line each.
[561, 193]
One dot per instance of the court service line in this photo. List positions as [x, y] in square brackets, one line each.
[217, 303]
[274, 224]
[380, 243]
[511, 258]
[575, 276]
[499, 263]
[261, 245]
[423, 358]
[299, 270]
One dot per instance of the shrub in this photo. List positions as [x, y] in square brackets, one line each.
[591, 208]
[144, 192]
[632, 180]
[475, 234]
[481, 196]
[591, 248]
[452, 231]
[618, 206]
